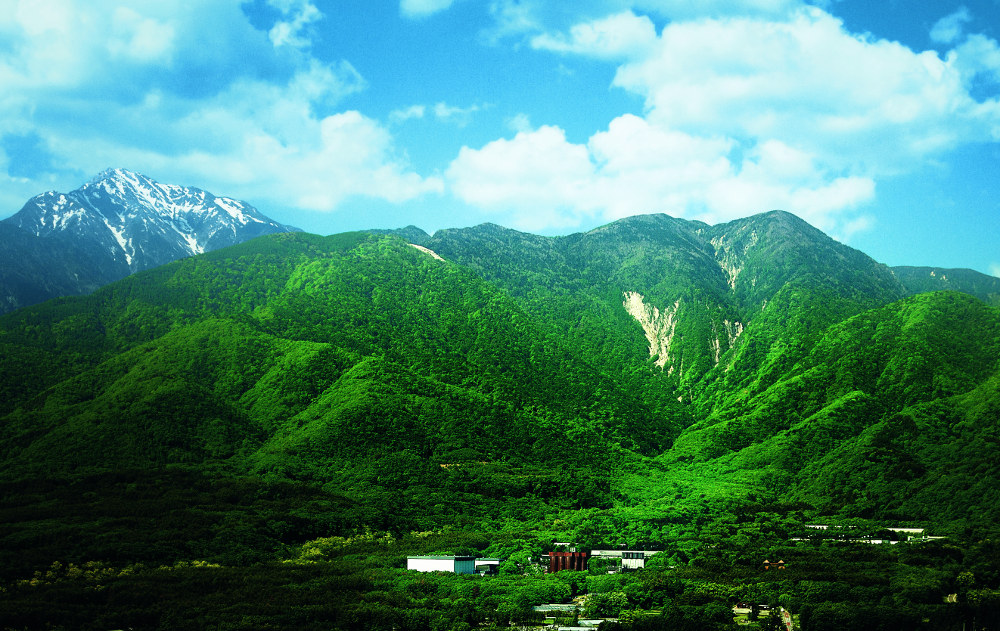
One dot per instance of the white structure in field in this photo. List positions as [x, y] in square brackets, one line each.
[458, 565]
[488, 566]
[630, 559]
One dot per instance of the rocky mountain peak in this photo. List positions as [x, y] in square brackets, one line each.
[131, 222]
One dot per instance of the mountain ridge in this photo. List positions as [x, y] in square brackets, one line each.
[294, 391]
[116, 224]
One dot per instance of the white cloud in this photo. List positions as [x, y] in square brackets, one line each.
[422, 8]
[139, 38]
[743, 114]
[352, 155]
[441, 111]
[513, 18]
[782, 108]
[685, 9]
[978, 58]
[317, 82]
[995, 269]
[808, 83]
[537, 175]
[948, 29]
[264, 142]
[292, 31]
[619, 36]
[242, 116]
[407, 113]
[539, 179]
[560, 25]
[458, 115]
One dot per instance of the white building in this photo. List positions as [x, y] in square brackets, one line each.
[488, 566]
[458, 565]
[630, 559]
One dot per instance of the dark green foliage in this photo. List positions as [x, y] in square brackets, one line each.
[340, 402]
[321, 359]
[157, 516]
[927, 279]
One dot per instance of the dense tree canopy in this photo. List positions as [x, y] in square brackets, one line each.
[297, 414]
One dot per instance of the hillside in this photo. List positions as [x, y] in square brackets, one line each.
[707, 390]
[882, 411]
[300, 354]
[924, 279]
[772, 275]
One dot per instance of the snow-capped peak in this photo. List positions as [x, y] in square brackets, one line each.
[144, 223]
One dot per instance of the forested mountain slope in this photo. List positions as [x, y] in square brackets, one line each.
[693, 290]
[30, 274]
[879, 418]
[706, 390]
[924, 279]
[304, 355]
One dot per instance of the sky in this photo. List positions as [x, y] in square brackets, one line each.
[877, 122]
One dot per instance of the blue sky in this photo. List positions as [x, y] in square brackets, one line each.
[879, 123]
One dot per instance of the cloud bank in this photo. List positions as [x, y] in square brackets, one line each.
[742, 106]
[193, 93]
[783, 108]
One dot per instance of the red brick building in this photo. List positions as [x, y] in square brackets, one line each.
[568, 561]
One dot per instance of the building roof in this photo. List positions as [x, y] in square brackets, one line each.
[617, 553]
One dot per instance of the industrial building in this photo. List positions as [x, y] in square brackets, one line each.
[568, 561]
[456, 564]
[630, 559]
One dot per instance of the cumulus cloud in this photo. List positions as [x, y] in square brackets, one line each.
[351, 155]
[252, 115]
[537, 175]
[540, 179]
[806, 82]
[776, 107]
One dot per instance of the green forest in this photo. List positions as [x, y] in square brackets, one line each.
[258, 437]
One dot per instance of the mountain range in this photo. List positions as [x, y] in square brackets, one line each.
[625, 384]
[120, 222]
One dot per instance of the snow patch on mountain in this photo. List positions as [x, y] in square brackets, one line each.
[141, 223]
[120, 239]
[235, 210]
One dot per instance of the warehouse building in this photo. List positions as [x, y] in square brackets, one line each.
[456, 564]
